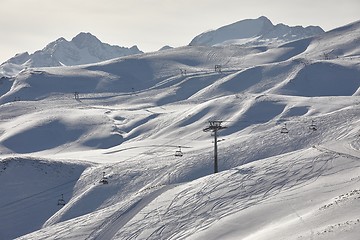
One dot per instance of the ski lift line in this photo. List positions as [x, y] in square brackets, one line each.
[171, 79]
[157, 148]
[310, 100]
[276, 122]
[263, 120]
[146, 146]
[19, 208]
[23, 205]
[333, 103]
[160, 147]
[36, 194]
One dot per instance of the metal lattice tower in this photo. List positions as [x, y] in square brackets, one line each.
[214, 127]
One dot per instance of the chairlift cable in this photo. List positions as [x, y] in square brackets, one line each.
[36, 194]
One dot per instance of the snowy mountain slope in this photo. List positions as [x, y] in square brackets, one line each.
[258, 31]
[211, 208]
[133, 113]
[339, 77]
[35, 185]
[213, 198]
[344, 37]
[84, 48]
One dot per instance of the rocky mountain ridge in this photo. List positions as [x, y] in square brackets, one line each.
[84, 48]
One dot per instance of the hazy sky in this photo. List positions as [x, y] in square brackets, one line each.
[29, 25]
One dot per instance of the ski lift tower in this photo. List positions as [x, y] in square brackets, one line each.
[214, 127]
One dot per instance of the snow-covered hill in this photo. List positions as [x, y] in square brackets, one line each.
[258, 31]
[84, 48]
[62, 129]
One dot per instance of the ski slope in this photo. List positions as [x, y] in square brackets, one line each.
[134, 112]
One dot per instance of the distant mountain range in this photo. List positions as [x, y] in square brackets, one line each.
[288, 154]
[84, 48]
[258, 31]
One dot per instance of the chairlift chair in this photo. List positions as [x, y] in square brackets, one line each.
[313, 126]
[178, 153]
[61, 201]
[284, 129]
[104, 180]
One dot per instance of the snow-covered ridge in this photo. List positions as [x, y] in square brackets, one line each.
[258, 31]
[84, 48]
[128, 116]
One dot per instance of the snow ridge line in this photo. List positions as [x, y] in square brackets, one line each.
[329, 151]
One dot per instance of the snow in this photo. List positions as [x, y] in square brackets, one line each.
[32, 189]
[134, 112]
[84, 48]
[252, 32]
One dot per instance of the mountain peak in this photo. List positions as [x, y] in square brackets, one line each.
[84, 35]
[263, 19]
[83, 39]
[258, 31]
[60, 40]
[84, 48]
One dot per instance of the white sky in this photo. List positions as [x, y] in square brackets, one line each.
[29, 25]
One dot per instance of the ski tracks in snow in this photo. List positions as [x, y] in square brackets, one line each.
[120, 218]
[198, 208]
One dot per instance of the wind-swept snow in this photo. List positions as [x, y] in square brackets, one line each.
[63, 129]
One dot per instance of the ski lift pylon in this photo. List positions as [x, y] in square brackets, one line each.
[178, 153]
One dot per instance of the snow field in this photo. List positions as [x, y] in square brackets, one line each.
[133, 113]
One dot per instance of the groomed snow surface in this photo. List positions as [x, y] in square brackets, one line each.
[131, 115]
